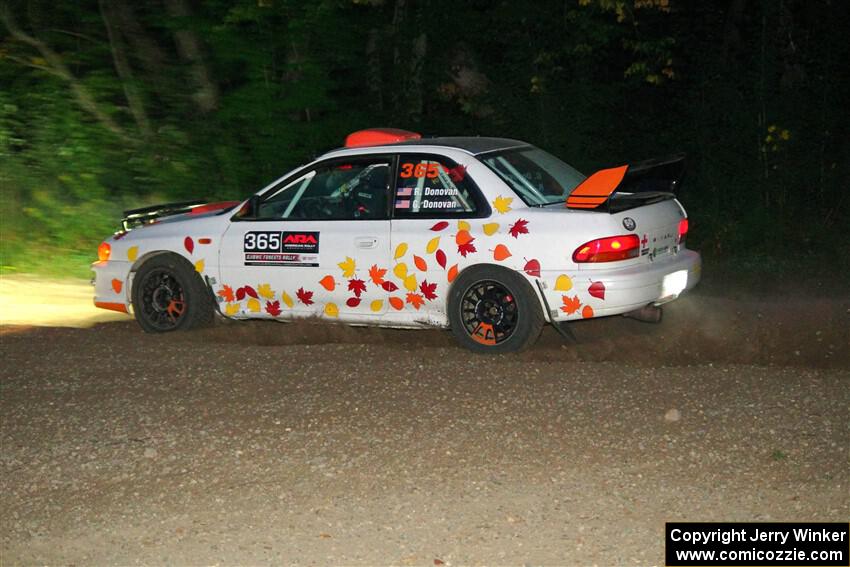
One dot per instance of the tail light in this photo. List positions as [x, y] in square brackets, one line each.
[103, 251]
[610, 249]
[683, 230]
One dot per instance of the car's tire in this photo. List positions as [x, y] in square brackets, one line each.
[494, 310]
[169, 295]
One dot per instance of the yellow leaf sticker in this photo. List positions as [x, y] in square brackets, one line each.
[231, 309]
[376, 305]
[410, 282]
[400, 270]
[265, 291]
[491, 228]
[199, 266]
[463, 225]
[503, 204]
[254, 305]
[347, 267]
[331, 310]
[563, 283]
[286, 299]
[400, 250]
[132, 253]
[433, 244]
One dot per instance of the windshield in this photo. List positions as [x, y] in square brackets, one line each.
[539, 178]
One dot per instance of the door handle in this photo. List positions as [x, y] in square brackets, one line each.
[366, 242]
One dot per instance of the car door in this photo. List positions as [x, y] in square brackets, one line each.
[313, 245]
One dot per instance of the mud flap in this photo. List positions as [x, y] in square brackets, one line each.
[563, 328]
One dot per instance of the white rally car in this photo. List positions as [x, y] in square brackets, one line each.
[489, 237]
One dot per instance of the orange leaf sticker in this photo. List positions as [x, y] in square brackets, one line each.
[415, 300]
[501, 253]
[463, 237]
[587, 312]
[397, 303]
[226, 293]
[452, 273]
[117, 285]
[571, 304]
[328, 283]
[420, 263]
[377, 274]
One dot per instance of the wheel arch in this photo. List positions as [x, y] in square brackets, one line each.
[141, 260]
[489, 265]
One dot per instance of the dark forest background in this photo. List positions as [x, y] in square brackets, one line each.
[111, 104]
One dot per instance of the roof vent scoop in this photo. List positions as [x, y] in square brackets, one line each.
[379, 137]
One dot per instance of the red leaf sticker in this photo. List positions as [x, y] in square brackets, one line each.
[440, 226]
[428, 289]
[250, 291]
[457, 173]
[532, 268]
[189, 244]
[356, 286]
[305, 297]
[353, 301]
[467, 248]
[519, 227]
[273, 308]
[240, 294]
[441, 258]
[389, 286]
[597, 289]
[415, 300]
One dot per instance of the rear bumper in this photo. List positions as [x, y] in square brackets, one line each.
[111, 285]
[619, 291]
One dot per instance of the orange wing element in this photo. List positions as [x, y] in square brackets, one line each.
[596, 189]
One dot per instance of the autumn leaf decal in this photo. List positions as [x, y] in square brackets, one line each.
[464, 242]
[305, 297]
[189, 244]
[420, 263]
[519, 227]
[265, 291]
[328, 283]
[353, 302]
[273, 308]
[377, 274]
[571, 304]
[347, 267]
[226, 293]
[440, 226]
[428, 290]
[532, 268]
[246, 291]
[597, 290]
[441, 258]
[389, 286]
[503, 204]
[356, 286]
[415, 300]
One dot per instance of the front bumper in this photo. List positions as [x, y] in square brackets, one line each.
[111, 285]
[613, 292]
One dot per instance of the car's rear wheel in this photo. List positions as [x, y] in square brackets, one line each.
[494, 310]
[168, 295]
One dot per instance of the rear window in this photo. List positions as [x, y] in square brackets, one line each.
[539, 178]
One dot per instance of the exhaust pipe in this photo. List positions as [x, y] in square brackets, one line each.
[648, 314]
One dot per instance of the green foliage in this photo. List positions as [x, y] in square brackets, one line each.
[754, 99]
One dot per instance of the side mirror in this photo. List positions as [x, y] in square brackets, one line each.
[250, 209]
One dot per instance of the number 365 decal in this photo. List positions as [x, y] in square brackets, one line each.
[268, 241]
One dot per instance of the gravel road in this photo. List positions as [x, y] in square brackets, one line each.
[302, 444]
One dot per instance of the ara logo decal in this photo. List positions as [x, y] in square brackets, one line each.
[303, 242]
[629, 223]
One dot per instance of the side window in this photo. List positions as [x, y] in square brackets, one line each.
[433, 186]
[340, 190]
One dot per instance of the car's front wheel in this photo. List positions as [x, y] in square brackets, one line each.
[494, 310]
[168, 295]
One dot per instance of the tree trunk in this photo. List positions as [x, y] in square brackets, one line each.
[134, 97]
[191, 52]
[149, 53]
[57, 67]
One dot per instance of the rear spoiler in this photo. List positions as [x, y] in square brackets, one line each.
[638, 184]
[146, 215]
